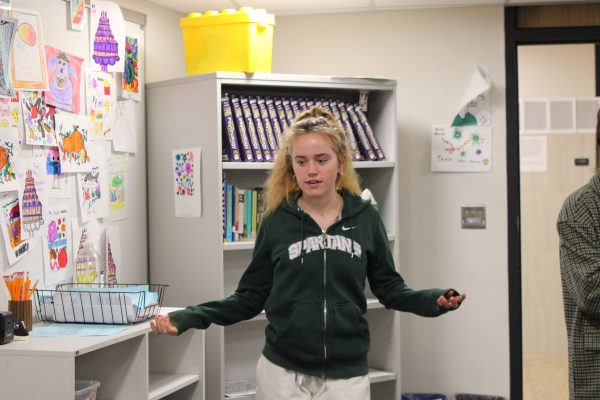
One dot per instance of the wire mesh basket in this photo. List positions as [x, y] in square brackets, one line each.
[100, 303]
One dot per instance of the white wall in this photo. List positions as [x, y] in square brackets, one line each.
[432, 54]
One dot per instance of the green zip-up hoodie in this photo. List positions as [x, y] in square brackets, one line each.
[311, 285]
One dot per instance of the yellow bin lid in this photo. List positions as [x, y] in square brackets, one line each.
[228, 16]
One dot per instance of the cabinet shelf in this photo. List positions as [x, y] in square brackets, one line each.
[229, 165]
[376, 376]
[162, 385]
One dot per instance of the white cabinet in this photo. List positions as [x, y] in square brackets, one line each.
[133, 364]
[189, 253]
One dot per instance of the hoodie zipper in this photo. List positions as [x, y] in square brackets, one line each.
[324, 307]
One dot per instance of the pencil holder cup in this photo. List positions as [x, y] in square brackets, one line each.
[22, 312]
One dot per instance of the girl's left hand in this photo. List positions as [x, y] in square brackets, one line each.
[451, 300]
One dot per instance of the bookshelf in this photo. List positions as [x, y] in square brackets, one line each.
[189, 253]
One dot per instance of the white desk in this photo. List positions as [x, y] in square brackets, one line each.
[133, 364]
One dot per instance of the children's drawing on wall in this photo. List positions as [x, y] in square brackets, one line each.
[64, 74]
[475, 106]
[8, 28]
[186, 176]
[89, 265]
[113, 255]
[34, 198]
[117, 186]
[72, 132]
[76, 14]
[28, 61]
[92, 187]
[131, 73]
[107, 35]
[38, 119]
[58, 185]
[16, 246]
[100, 104]
[10, 114]
[57, 248]
[8, 159]
[125, 135]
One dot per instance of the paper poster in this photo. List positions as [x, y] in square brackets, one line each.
[72, 134]
[10, 114]
[114, 257]
[92, 187]
[9, 158]
[64, 74]
[100, 104]
[38, 119]
[88, 268]
[58, 267]
[107, 36]
[28, 66]
[131, 88]
[33, 192]
[76, 14]
[125, 135]
[533, 153]
[186, 179]
[461, 149]
[8, 29]
[466, 145]
[118, 186]
[59, 186]
[16, 247]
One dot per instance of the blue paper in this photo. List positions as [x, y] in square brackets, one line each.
[55, 330]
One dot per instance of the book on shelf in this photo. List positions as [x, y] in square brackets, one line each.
[240, 126]
[345, 121]
[287, 108]
[229, 132]
[363, 142]
[281, 113]
[251, 129]
[260, 129]
[266, 121]
[244, 210]
[360, 113]
[294, 106]
[277, 128]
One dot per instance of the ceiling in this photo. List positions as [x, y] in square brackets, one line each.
[304, 7]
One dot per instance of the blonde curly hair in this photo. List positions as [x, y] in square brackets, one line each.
[281, 184]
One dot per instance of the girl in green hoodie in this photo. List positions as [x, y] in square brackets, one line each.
[316, 246]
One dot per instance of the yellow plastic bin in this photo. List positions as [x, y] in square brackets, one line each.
[239, 41]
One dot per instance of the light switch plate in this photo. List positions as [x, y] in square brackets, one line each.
[472, 217]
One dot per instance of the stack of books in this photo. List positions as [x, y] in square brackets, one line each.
[253, 125]
[242, 212]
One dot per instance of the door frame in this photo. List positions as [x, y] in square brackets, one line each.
[515, 36]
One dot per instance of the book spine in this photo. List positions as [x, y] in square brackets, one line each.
[310, 103]
[264, 116]
[369, 131]
[240, 125]
[252, 135]
[234, 214]
[241, 212]
[260, 130]
[287, 108]
[363, 141]
[356, 155]
[260, 200]
[281, 113]
[302, 104]
[295, 107]
[231, 142]
[248, 218]
[228, 223]
[277, 129]
[224, 209]
[254, 212]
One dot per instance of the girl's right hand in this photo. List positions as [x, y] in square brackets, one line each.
[163, 324]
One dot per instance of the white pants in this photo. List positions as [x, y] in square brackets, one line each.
[276, 383]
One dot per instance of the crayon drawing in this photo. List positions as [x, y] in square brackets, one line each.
[77, 14]
[72, 132]
[113, 255]
[16, 247]
[10, 114]
[34, 198]
[87, 262]
[28, 66]
[92, 188]
[131, 74]
[64, 74]
[186, 175]
[117, 186]
[57, 185]
[107, 36]
[57, 248]
[8, 159]
[100, 104]
[38, 119]
[125, 135]
[8, 27]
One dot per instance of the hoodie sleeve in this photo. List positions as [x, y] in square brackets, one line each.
[247, 301]
[389, 287]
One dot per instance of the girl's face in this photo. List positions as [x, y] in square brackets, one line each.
[315, 165]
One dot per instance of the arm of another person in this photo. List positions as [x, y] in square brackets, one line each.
[247, 301]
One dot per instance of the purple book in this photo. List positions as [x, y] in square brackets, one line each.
[240, 125]
[294, 104]
[230, 140]
[302, 104]
[360, 113]
[363, 142]
[277, 129]
[345, 120]
[264, 116]
[281, 113]
[260, 129]
[252, 135]
[310, 103]
[287, 108]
